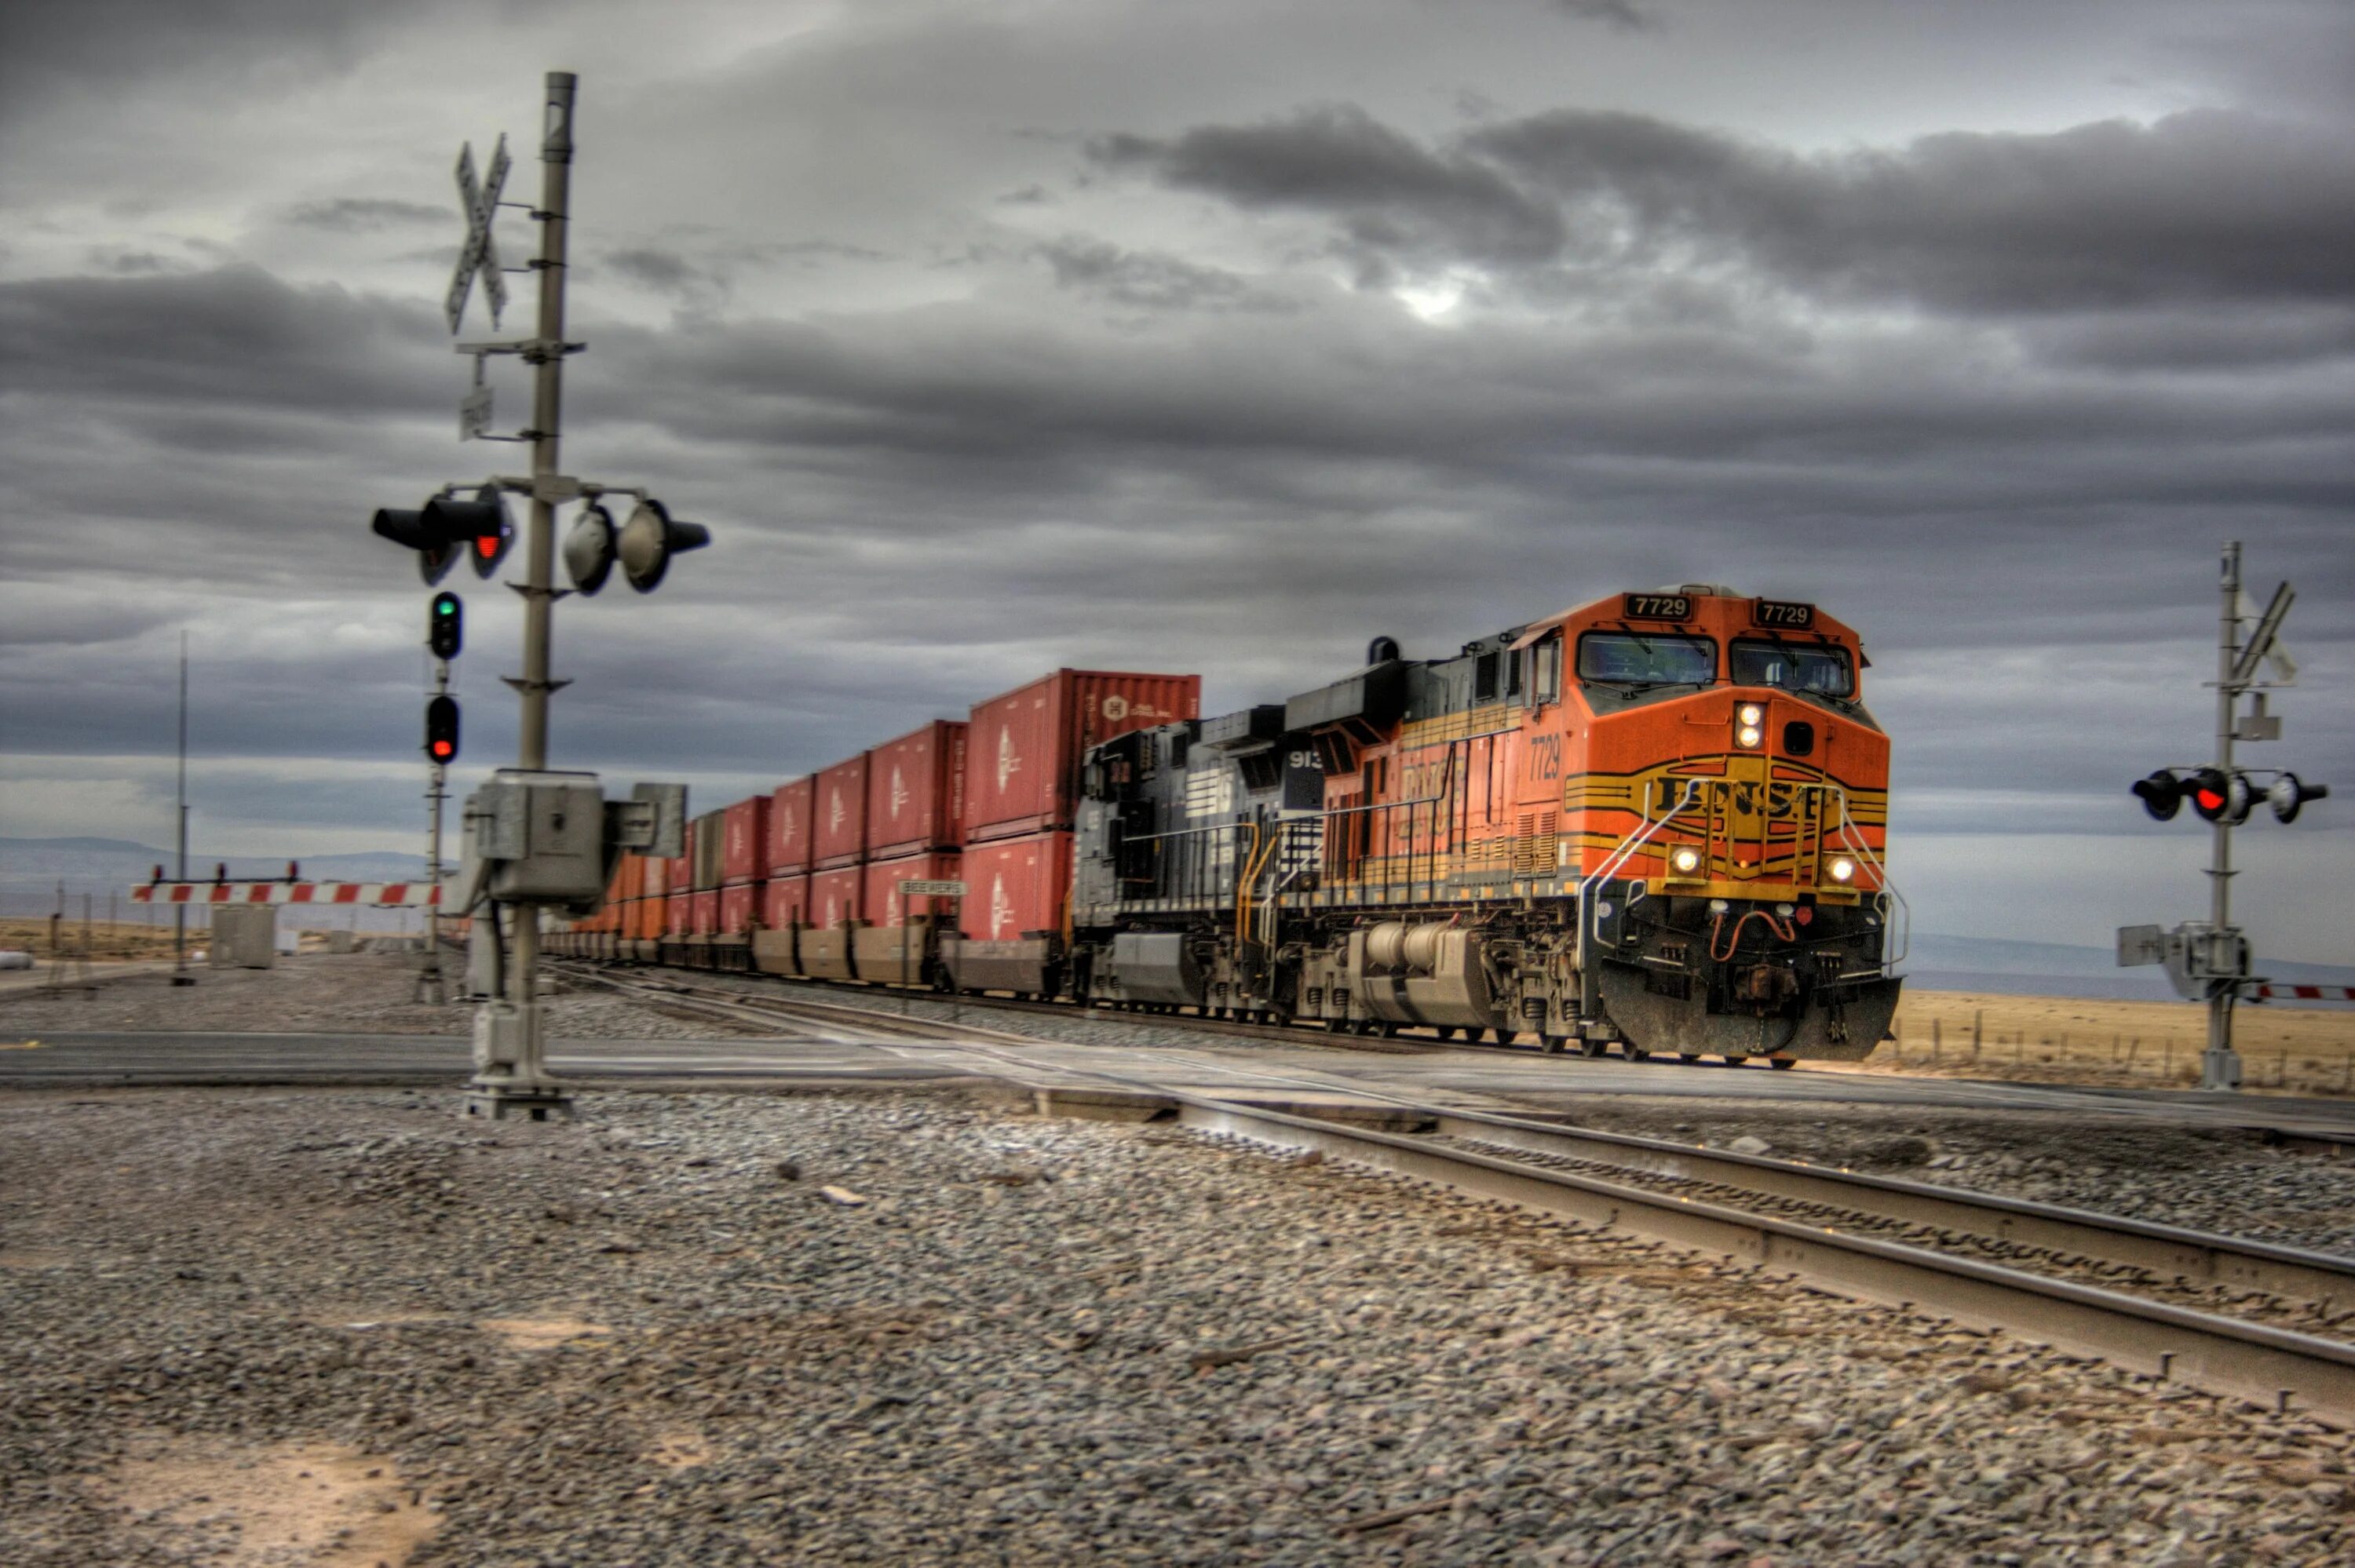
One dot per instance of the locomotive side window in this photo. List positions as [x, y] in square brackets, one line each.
[1545, 671]
[1484, 678]
[1646, 659]
[1825, 671]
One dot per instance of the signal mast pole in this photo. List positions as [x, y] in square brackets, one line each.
[517, 1043]
[2220, 1065]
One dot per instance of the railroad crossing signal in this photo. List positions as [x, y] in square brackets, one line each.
[2209, 959]
[481, 252]
[590, 549]
[445, 625]
[443, 526]
[650, 538]
[441, 729]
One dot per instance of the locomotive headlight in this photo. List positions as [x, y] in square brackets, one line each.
[1751, 715]
[1748, 736]
[1843, 868]
[1685, 861]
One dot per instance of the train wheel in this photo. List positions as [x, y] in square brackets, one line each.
[1634, 1052]
[1552, 1044]
[1782, 1063]
[1590, 1048]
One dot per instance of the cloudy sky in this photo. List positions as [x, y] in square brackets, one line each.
[1211, 336]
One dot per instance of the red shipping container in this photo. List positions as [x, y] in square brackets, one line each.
[745, 853]
[1025, 746]
[835, 896]
[784, 903]
[884, 876]
[1016, 887]
[678, 915]
[657, 878]
[915, 791]
[678, 872]
[703, 915]
[838, 836]
[739, 902]
[789, 827]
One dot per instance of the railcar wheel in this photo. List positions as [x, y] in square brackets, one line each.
[1590, 1048]
[1782, 1063]
[1633, 1051]
[1552, 1044]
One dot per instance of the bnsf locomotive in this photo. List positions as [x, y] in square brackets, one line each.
[1656, 821]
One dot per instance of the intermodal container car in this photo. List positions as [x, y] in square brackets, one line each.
[1010, 936]
[915, 791]
[678, 915]
[703, 915]
[738, 903]
[789, 828]
[883, 878]
[657, 878]
[837, 896]
[706, 849]
[744, 855]
[840, 833]
[1024, 749]
[784, 903]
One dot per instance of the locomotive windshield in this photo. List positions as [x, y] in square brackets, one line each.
[1822, 670]
[1646, 659]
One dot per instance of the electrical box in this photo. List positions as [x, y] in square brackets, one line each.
[540, 835]
[244, 936]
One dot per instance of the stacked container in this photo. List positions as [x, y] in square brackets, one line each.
[915, 819]
[1025, 751]
[784, 897]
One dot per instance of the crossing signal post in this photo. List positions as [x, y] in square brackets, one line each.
[511, 860]
[445, 635]
[2210, 960]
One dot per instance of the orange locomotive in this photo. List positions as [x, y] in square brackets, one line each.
[1656, 820]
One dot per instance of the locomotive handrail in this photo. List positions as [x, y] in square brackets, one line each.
[1854, 841]
[1619, 857]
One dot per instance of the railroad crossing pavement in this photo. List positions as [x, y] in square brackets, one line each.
[834, 1052]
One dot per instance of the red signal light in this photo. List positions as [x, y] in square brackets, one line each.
[2210, 801]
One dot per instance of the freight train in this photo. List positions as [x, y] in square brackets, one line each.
[1655, 823]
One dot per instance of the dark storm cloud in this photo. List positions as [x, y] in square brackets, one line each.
[1389, 194]
[367, 215]
[1146, 281]
[2203, 205]
[1622, 14]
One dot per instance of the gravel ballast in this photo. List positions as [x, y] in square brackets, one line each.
[904, 1327]
[341, 993]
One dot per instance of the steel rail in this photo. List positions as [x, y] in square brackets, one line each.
[2174, 1251]
[2274, 1368]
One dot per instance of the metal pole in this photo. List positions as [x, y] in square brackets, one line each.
[526, 1084]
[2220, 1068]
[430, 984]
[180, 975]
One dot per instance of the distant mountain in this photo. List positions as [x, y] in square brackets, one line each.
[32, 870]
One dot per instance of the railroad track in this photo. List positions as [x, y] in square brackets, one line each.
[1398, 1041]
[2269, 1324]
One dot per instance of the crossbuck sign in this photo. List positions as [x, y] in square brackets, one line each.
[481, 252]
